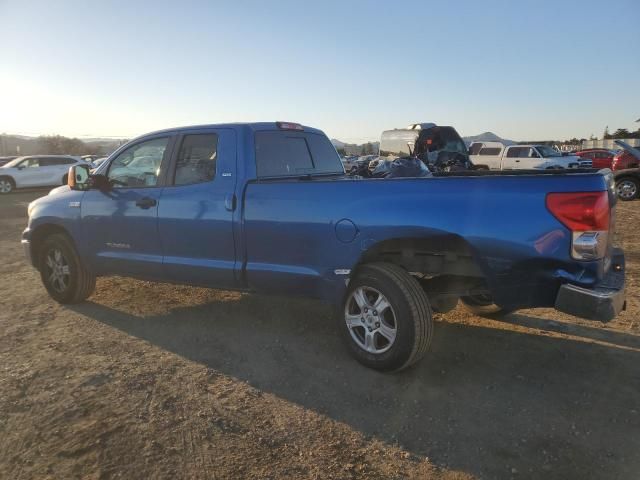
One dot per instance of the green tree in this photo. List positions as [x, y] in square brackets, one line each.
[621, 133]
[606, 135]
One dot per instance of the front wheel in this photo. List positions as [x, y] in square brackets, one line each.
[483, 306]
[62, 272]
[627, 188]
[6, 185]
[386, 318]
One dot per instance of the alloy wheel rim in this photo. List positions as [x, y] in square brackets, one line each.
[5, 186]
[57, 270]
[371, 320]
[627, 189]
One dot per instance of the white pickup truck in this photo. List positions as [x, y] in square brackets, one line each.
[498, 156]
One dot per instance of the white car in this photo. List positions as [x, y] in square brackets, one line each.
[36, 171]
[497, 156]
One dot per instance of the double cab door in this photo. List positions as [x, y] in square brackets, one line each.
[170, 212]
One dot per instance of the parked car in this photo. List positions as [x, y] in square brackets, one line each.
[600, 157]
[498, 156]
[350, 163]
[628, 180]
[36, 171]
[627, 184]
[267, 207]
[5, 160]
[440, 148]
[623, 159]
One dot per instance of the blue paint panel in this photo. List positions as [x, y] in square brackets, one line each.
[196, 225]
[122, 238]
[289, 228]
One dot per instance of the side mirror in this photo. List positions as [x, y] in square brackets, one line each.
[78, 177]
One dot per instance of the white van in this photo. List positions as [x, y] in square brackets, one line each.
[498, 156]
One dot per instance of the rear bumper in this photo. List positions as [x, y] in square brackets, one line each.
[603, 302]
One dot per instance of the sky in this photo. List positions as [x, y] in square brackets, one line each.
[522, 69]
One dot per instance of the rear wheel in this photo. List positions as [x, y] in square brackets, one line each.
[62, 272]
[627, 188]
[6, 185]
[386, 318]
[482, 305]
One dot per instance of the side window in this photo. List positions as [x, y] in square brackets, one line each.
[30, 163]
[48, 161]
[490, 151]
[51, 161]
[281, 154]
[514, 152]
[476, 148]
[197, 157]
[139, 165]
[529, 153]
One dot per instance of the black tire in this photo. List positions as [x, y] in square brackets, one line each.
[65, 179]
[483, 306]
[80, 283]
[627, 188]
[409, 307]
[7, 185]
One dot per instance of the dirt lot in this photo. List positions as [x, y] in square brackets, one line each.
[159, 381]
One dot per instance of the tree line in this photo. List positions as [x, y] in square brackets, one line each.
[620, 133]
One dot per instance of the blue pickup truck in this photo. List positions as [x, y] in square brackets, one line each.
[267, 207]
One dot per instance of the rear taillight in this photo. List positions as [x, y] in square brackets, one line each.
[587, 215]
[614, 163]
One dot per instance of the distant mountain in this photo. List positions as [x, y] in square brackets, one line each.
[487, 137]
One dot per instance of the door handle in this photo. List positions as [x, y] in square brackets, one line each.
[230, 202]
[146, 202]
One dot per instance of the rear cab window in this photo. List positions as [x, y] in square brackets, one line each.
[284, 153]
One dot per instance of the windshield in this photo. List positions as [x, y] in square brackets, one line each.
[546, 151]
[13, 162]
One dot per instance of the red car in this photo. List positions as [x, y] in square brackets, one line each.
[600, 157]
[603, 158]
[623, 160]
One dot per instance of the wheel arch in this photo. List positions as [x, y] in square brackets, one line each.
[444, 264]
[39, 235]
[10, 178]
[434, 255]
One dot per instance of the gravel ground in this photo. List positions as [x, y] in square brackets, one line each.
[161, 381]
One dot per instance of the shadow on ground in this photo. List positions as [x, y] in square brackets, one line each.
[488, 401]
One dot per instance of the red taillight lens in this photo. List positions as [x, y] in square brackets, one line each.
[614, 162]
[580, 211]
